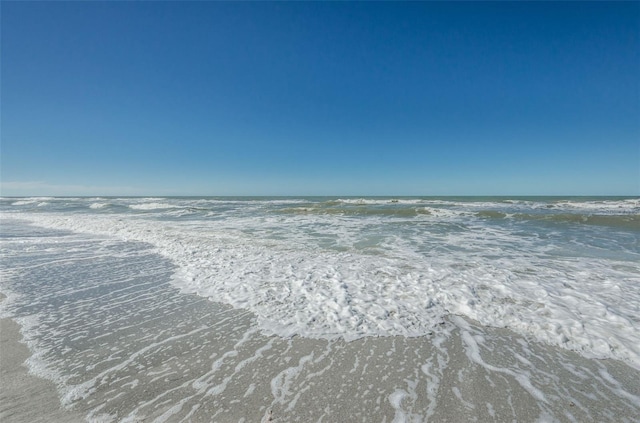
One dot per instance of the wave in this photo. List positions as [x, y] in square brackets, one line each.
[30, 201]
[491, 275]
[347, 211]
[98, 205]
[370, 201]
[153, 206]
[629, 205]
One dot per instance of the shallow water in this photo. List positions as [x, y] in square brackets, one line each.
[237, 311]
[565, 271]
[105, 322]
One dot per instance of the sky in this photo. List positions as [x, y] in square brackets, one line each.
[331, 98]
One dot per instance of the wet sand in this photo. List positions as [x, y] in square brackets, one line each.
[25, 398]
[258, 378]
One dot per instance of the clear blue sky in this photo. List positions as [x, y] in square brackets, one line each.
[340, 98]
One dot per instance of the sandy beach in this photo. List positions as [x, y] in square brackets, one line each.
[25, 398]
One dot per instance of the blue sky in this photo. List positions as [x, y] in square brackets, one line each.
[340, 98]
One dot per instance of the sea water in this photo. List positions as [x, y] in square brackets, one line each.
[102, 286]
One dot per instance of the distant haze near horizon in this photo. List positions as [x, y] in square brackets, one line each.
[335, 99]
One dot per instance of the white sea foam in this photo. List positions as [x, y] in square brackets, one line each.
[627, 206]
[403, 285]
[23, 202]
[152, 206]
[369, 201]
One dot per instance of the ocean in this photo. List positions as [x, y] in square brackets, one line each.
[329, 309]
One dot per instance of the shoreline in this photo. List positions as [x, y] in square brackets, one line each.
[25, 398]
[130, 346]
[460, 392]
